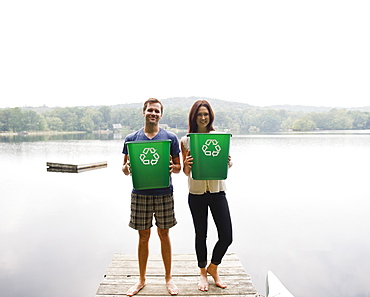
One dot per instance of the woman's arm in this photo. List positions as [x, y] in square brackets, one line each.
[230, 163]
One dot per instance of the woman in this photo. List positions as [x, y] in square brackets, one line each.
[204, 194]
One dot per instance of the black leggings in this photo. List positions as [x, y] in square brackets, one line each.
[221, 215]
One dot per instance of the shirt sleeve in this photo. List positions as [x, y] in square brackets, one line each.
[128, 138]
[124, 151]
[175, 147]
[185, 142]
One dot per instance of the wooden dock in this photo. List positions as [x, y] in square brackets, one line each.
[122, 273]
[72, 168]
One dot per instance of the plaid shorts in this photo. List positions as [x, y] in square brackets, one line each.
[144, 206]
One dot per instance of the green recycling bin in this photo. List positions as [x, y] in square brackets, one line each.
[150, 161]
[210, 152]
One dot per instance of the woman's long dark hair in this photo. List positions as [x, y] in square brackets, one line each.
[193, 127]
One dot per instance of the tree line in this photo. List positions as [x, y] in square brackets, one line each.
[91, 119]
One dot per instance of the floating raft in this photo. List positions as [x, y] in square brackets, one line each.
[122, 273]
[60, 167]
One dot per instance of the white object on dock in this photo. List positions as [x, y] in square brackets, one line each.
[275, 288]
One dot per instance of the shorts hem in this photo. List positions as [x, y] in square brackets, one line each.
[133, 226]
[170, 226]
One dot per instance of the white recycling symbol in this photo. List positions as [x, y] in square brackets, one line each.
[215, 152]
[147, 153]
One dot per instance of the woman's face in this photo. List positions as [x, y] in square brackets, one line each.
[202, 119]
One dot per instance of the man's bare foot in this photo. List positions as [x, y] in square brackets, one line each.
[172, 288]
[203, 281]
[135, 289]
[212, 270]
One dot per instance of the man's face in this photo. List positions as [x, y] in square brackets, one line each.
[152, 113]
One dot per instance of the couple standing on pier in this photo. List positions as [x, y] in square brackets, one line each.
[202, 195]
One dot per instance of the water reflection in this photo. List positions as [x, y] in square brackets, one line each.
[60, 137]
[118, 136]
[299, 205]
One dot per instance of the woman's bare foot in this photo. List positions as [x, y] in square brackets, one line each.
[172, 288]
[135, 289]
[203, 280]
[212, 270]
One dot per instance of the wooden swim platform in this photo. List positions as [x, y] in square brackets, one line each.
[73, 168]
[122, 273]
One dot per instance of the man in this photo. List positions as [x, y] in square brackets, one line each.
[142, 216]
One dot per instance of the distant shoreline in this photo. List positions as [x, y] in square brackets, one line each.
[40, 133]
[176, 131]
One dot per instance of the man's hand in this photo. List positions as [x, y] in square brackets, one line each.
[126, 168]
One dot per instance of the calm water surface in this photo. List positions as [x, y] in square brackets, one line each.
[299, 204]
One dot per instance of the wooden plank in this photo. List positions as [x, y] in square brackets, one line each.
[61, 165]
[73, 168]
[175, 257]
[184, 269]
[122, 273]
[188, 286]
[92, 165]
[228, 262]
[190, 289]
[181, 265]
[184, 293]
[109, 279]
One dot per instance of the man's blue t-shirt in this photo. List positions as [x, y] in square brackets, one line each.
[174, 150]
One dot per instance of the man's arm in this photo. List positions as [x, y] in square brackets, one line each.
[175, 166]
[126, 165]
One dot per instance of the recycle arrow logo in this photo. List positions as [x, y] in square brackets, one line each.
[149, 156]
[206, 148]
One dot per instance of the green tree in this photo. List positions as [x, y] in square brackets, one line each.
[305, 124]
[68, 116]
[223, 119]
[43, 125]
[320, 119]
[287, 124]
[54, 123]
[368, 121]
[5, 119]
[30, 121]
[338, 119]
[251, 119]
[175, 118]
[87, 124]
[359, 119]
[128, 117]
[15, 119]
[106, 113]
[270, 121]
[96, 116]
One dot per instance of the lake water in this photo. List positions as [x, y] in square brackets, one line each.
[299, 205]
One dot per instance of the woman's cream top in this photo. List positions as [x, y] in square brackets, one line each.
[199, 187]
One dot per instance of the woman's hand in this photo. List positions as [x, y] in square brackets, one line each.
[229, 162]
[188, 162]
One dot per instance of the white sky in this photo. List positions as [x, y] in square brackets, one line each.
[88, 52]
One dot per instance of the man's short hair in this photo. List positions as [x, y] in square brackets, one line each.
[152, 100]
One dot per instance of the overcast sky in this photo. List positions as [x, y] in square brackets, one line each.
[87, 52]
